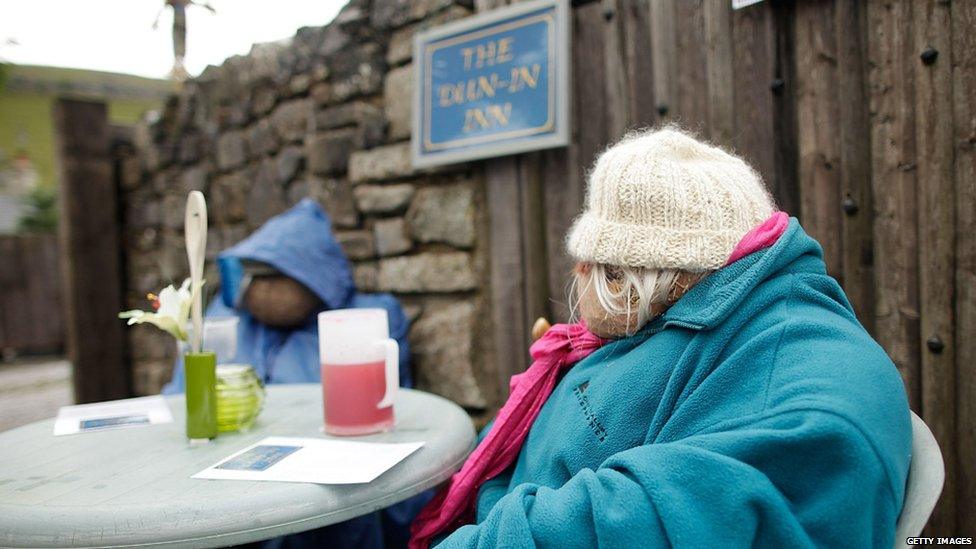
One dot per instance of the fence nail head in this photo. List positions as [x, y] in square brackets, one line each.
[929, 55]
[935, 344]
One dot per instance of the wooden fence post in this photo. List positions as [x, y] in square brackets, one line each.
[565, 169]
[857, 204]
[936, 239]
[891, 57]
[90, 252]
[818, 121]
[30, 294]
[964, 103]
[717, 19]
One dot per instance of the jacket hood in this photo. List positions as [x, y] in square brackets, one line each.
[713, 299]
[298, 243]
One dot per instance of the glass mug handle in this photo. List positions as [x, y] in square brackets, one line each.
[392, 371]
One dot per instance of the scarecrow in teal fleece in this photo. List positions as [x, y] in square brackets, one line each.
[730, 397]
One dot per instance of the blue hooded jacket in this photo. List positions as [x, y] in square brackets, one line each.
[756, 412]
[299, 243]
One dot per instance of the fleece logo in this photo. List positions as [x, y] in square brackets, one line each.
[588, 412]
[939, 541]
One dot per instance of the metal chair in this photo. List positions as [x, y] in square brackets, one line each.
[926, 476]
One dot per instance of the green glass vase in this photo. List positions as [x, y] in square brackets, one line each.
[201, 395]
[240, 395]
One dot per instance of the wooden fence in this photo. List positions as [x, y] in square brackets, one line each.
[91, 256]
[62, 292]
[861, 117]
[30, 294]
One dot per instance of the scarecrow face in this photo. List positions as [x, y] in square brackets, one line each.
[597, 318]
[278, 301]
[609, 325]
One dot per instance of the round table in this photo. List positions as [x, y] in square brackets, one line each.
[132, 486]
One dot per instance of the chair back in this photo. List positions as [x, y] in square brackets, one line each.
[926, 475]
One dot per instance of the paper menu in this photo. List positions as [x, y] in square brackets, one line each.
[319, 461]
[114, 414]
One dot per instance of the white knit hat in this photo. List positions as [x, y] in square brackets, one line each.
[662, 200]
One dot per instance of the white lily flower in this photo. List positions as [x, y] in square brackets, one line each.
[172, 310]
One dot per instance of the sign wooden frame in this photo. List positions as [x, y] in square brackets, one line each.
[553, 132]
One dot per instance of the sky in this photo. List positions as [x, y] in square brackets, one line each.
[118, 35]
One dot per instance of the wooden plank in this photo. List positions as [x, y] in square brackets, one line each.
[90, 252]
[29, 324]
[21, 299]
[12, 293]
[42, 319]
[22, 303]
[615, 77]
[663, 56]
[7, 278]
[936, 235]
[635, 21]
[891, 58]
[964, 105]
[857, 220]
[818, 120]
[52, 287]
[590, 101]
[7, 288]
[783, 88]
[519, 285]
[691, 103]
[753, 71]
[507, 276]
[562, 184]
[717, 19]
[565, 172]
[532, 225]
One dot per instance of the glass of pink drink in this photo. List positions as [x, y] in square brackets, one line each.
[360, 371]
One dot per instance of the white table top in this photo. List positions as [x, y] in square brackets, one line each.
[132, 486]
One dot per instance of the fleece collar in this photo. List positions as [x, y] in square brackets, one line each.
[713, 299]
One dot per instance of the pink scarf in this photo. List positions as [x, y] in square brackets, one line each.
[761, 237]
[562, 346]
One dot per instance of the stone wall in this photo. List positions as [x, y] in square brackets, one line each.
[325, 116]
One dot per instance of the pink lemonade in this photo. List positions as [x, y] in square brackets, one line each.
[350, 393]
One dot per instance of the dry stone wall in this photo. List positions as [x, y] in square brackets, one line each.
[325, 116]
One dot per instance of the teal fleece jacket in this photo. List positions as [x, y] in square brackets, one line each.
[755, 412]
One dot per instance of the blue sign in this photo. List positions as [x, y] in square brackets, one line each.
[492, 85]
